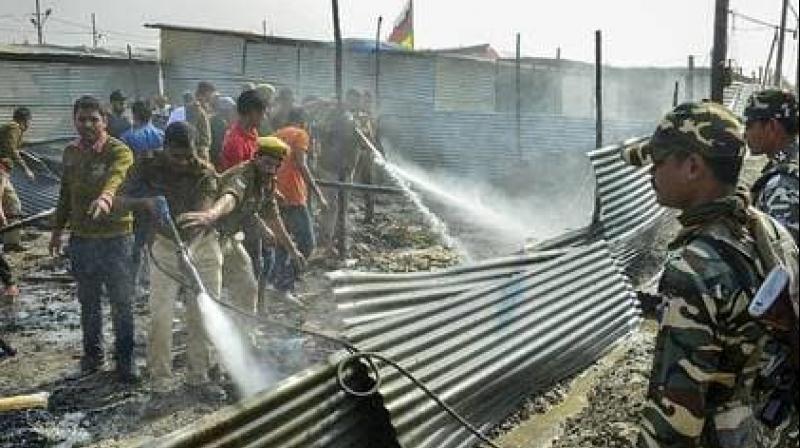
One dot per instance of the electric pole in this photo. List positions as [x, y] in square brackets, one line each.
[781, 39]
[94, 32]
[38, 21]
[719, 50]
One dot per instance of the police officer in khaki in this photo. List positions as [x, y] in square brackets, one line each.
[10, 143]
[708, 347]
[247, 191]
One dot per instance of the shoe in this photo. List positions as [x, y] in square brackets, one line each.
[291, 299]
[14, 247]
[11, 291]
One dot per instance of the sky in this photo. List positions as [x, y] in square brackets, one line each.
[635, 32]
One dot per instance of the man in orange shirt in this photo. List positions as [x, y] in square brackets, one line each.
[294, 178]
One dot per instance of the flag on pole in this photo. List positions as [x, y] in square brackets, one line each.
[403, 32]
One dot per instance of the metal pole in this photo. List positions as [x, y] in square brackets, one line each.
[378, 63]
[519, 99]
[39, 22]
[369, 214]
[690, 80]
[769, 59]
[341, 217]
[337, 36]
[719, 50]
[94, 32]
[675, 95]
[781, 41]
[133, 72]
[598, 84]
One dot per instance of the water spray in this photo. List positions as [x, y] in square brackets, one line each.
[234, 356]
[438, 226]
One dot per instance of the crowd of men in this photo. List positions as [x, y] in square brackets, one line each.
[232, 175]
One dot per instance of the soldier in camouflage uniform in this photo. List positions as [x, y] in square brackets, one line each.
[708, 347]
[771, 129]
[771, 121]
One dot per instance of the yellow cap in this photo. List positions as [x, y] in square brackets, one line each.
[272, 146]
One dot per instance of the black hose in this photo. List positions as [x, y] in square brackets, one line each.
[355, 354]
[370, 356]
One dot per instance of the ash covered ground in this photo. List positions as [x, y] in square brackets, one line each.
[43, 325]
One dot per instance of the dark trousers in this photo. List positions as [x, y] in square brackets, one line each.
[100, 264]
[298, 223]
[5, 271]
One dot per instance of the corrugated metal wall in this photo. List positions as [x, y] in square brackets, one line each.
[483, 349]
[482, 145]
[49, 89]
[482, 336]
[465, 85]
[487, 348]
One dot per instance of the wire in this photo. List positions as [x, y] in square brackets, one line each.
[757, 21]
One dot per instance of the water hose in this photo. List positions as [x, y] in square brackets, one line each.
[355, 354]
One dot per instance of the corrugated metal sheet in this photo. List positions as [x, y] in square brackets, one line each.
[482, 145]
[464, 84]
[367, 296]
[627, 200]
[735, 96]
[307, 410]
[483, 349]
[189, 57]
[276, 64]
[49, 89]
[37, 195]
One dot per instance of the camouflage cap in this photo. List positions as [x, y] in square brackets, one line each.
[771, 103]
[706, 128]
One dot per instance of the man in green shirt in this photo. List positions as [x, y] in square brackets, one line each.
[95, 165]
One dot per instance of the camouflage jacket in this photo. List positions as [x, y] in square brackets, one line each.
[708, 347]
[776, 191]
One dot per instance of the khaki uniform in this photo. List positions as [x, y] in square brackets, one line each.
[254, 198]
[186, 189]
[10, 142]
[197, 116]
